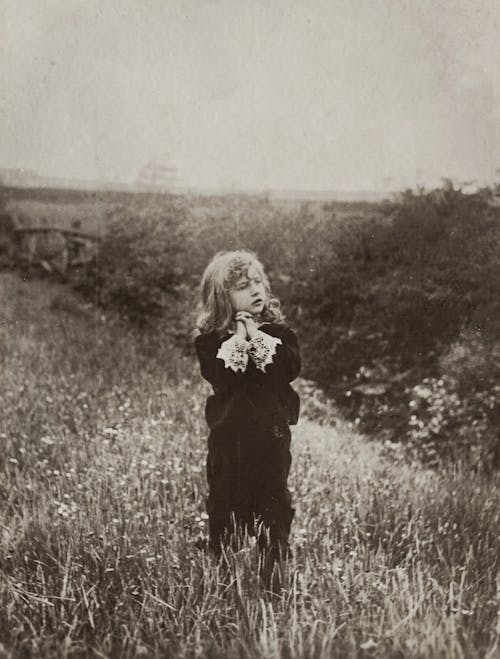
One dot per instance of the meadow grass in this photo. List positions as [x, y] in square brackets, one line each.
[102, 486]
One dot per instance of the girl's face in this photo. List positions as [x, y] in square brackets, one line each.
[248, 292]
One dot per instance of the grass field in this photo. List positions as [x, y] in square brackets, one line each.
[102, 491]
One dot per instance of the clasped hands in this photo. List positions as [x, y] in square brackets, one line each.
[246, 327]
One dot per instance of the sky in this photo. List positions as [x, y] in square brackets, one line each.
[287, 94]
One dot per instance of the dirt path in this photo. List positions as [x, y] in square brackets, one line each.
[337, 447]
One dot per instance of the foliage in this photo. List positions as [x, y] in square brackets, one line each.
[404, 286]
[458, 414]
[400, 296]
[138, 267]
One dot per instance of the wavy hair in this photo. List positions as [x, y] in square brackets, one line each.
[215, 311]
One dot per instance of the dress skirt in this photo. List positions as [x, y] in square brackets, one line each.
[247, 473]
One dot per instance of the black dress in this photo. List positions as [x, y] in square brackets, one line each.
[249, 457]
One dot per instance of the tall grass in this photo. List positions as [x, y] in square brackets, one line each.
[102, 489]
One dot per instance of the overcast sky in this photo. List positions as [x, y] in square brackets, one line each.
[309, 94]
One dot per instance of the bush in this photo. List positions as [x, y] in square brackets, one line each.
[393, 313]
[140, 265]
[445, 425]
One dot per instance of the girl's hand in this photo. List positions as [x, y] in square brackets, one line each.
[249, 322]
[241, 330]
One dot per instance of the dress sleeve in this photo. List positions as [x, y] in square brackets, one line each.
[233, 352]
[216, 358]
[276, 354]
[262, 349]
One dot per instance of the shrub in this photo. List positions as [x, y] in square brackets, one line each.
[393, 311]
[140, 265]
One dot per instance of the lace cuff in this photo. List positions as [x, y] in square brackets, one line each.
[262, 348]
[234, 353]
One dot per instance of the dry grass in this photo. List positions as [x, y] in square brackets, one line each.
[102, 486]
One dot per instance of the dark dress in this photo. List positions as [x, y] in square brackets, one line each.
[249, 457]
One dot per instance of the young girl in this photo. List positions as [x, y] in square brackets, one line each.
[249, 357]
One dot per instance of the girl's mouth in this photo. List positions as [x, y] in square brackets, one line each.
[257, 302]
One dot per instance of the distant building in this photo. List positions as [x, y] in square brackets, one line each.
[157, 177]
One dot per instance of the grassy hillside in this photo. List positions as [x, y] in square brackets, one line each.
[101, 504]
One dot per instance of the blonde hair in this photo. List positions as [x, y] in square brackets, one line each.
[215, 311]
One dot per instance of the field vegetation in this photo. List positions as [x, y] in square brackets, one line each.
[102, 481]
[398, 299]
[101, 507]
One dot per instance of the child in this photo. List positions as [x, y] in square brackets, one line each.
[249, 357]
